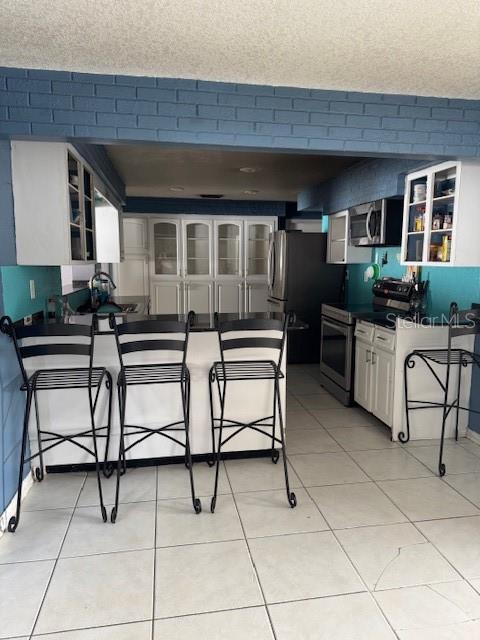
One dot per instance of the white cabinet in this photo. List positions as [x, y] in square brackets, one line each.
[229, 296]
[363, 357]
[107, 231]
[166, 240]
[383, 367]
[339, 251]
[135, 235]
[54, 204]
[198, 296]
[219, 264]
[197, 249]
[167, 297]
[256, 299]
[131, 275]
[441, 225]
[374, 370]
[257, 243]
[228, 249]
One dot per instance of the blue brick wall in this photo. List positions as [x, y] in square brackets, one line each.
[59, 104]
[363, 182]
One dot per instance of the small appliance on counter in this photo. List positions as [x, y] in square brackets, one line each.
[300, 280]
[391, 297]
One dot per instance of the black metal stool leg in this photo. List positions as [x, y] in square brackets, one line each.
[185, 391]
[14, 520]
[211, 380]
[292, 499]
[95, 451]
[219, 448]
[107, 467]
[39, 471]
[122, 397]
[275, 453]
[459, 386]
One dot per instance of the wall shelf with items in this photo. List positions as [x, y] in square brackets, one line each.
[441, 220]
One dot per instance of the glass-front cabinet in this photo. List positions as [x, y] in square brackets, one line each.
[81, 210]
[256, 248]
[228, 249]
[441, 222]
[166, 247]
[197, 248]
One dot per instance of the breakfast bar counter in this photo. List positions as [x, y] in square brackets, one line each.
[156, 405]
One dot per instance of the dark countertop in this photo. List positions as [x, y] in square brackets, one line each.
[200, 321]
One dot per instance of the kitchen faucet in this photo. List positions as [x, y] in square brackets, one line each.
[101, 286]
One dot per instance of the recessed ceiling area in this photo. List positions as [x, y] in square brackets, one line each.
[185, 172]
[429, 48]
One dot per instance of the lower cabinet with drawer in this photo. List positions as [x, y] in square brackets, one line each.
[375, 370]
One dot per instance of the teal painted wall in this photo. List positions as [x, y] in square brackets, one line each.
[447, 284]
[16, 289]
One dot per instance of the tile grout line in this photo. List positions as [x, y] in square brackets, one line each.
[57, 559]
[154, 585]
[350, 561]
[410, 521]
[367, 590]
[274, 635]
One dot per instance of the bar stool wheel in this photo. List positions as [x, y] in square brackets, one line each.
[441, 470]
[197, 505]
[38, 474]
[275, 456]
[292, 500]
[113, 515]
[213, 503]
[210, 462]
[12, 524]
[104, 514]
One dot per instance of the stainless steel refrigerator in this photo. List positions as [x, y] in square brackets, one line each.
[300, 281]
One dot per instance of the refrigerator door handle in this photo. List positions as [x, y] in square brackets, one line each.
[269, 266]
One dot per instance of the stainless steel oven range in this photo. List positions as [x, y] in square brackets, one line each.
[391, 297]
[336, 355]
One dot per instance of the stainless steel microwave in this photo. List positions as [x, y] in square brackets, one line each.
[376, 223]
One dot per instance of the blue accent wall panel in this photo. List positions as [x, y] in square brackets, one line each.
[11, 421]
[105, 108]
[16, 289]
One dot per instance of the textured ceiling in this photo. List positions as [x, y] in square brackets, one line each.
[151, 170]
[426, 47]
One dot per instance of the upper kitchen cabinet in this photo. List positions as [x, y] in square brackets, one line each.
[167, 248]
[55, 207]
[197, 248]
[441, 221]
[339, 251]
[135, 235]
[257, 234]
[228, 249]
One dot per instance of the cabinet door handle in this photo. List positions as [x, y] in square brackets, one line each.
[373, 357]
[381, 338]
[367, 356]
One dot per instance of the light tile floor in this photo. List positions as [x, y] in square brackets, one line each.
[378, 547]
